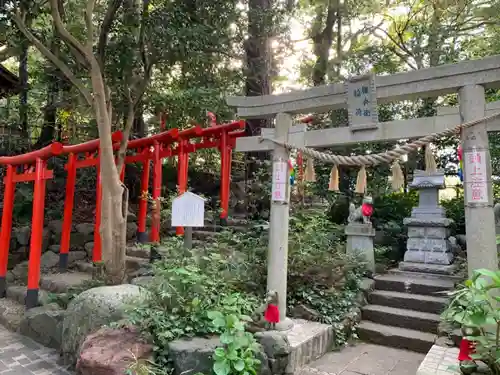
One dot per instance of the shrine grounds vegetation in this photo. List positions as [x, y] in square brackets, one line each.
[228, 279]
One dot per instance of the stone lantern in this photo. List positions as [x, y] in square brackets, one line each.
[429, 248]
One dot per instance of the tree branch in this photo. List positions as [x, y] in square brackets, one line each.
[53, 59]
[90, 27]
[107, 22]
[64, 33]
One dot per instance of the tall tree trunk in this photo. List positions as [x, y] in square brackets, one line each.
[23, 95]
[114, 193]
[48, 133]
[258, 69]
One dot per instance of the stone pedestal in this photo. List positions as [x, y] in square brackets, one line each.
[360, 242]
[428, 248]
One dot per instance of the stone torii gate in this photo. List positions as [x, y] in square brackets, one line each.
[468, 78]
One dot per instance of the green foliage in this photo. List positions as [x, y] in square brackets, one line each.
[455, 210]
[474, 308]
[239, 350]
[389, 211]
[184, 288]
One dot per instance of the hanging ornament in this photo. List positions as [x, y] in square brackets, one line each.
[334, 179]
[310, 175]
[292, 172]
[430, 162]
[361, 181]
[460, 164]
[398, 180]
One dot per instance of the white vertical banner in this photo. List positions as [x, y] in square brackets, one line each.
[476, 177]
[279, 191]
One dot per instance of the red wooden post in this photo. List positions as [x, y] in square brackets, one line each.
[182, 174]
[8, 205]
[36, 235]
[68, 213]
[122, 173]
[224, 177]
[155, 227]
[142, 236]
[97, 251]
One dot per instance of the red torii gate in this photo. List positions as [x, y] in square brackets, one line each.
[34, 168]
[23, 168]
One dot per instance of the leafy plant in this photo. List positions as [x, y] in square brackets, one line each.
[474, 307]
[183, 289]
[239, 350]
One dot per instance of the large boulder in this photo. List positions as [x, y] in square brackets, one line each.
[112, 351]
[44, 325]
[91, 310]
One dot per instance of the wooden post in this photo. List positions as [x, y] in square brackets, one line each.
[157, 172]
[36, 235]
[68, 213]
[277, 259]
[478, 190]
[142, 236]
[8, 206]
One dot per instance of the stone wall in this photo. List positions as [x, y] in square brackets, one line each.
[81, 246]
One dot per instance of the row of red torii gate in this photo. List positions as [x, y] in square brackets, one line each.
[33, 167]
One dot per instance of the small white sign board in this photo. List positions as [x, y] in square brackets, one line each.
[280, 181]
[188, 210]
[476, 176]
[362, 102]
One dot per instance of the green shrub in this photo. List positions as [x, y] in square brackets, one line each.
[455, 210]
[238, 355]
[474, 308]
[184, 288]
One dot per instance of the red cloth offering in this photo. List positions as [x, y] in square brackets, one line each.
[272, 314]
[466, 349]
[367, 209]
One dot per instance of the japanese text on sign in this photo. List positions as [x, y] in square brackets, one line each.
[476, 177]
[188, 210]
[280, 183]
[362, 101]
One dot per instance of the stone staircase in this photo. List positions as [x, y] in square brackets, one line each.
[403, 310]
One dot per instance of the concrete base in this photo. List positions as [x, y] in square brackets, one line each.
[285, 325]
[308, 342]
[440, 361]
[428, 268]
[360, 242]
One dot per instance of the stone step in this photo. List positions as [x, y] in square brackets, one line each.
[395, 337]
[61, 282]
[139, 251]
[50, 283]
[11, 313]
[408, 282]
[132, 264]
[417, 302]
[17, 293]
[85, 267]
[410, 319]
[201, 235]
[396, 271]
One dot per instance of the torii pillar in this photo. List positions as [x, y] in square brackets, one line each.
[478, 189]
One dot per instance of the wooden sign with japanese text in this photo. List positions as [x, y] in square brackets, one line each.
[362, 102]
[476, 177]
[188, 210]
[279, 191]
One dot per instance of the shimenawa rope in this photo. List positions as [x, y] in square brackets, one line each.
[393, 155]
